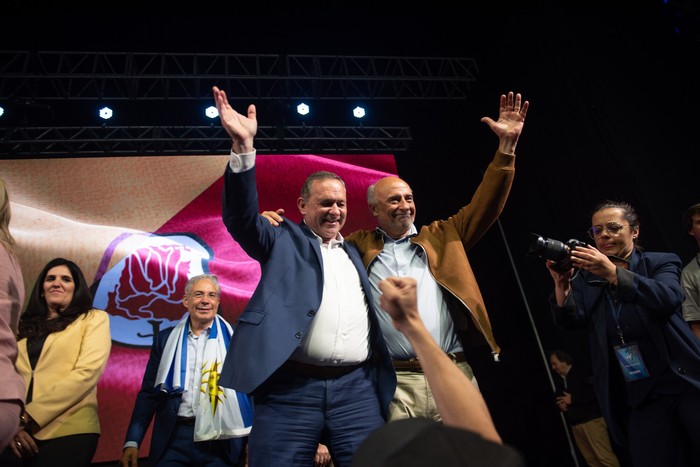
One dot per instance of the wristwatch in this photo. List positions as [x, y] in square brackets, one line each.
[23, 420]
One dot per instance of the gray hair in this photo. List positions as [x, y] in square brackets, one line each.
[370, 194]
[321, 175]
[193, 280]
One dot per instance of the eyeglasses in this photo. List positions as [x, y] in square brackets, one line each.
[613, 228]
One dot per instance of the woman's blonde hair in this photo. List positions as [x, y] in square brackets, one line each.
[6, 237]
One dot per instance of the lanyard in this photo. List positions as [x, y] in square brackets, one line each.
[616, 307]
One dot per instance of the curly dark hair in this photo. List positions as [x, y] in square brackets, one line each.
[687, 218]
[561, 356]
[34, 321]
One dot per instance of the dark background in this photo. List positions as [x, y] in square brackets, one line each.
[613, 113]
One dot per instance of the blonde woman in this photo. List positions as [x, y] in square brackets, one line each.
[12, 387]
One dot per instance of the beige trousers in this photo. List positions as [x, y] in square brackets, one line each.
[413, 397]
[593, 441]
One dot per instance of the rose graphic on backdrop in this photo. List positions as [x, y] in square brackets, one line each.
[143, 292]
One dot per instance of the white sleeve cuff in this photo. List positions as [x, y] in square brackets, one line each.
[242, 162]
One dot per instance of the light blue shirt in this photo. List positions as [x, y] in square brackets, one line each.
[195, 355]
[195, 358]
[406, 259]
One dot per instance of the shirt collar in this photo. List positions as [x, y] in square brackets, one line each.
[205, 331]
[337, 241]
[411, 233]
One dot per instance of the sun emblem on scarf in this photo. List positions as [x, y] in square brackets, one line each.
[210, 386]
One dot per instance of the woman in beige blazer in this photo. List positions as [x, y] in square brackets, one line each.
[12, 388]
[63, 348]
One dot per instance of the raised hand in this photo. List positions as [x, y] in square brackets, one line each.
[240, 128]
[511, 120]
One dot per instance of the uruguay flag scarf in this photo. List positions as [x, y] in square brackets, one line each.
[220, 413]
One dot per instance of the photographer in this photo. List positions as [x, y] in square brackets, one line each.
[646, 361]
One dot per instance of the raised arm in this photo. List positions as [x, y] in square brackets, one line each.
[459, 402]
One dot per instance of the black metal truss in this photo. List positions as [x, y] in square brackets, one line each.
[39, 76]
[44, 80]
[200, 140]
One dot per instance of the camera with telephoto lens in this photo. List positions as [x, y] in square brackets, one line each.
[554, 250]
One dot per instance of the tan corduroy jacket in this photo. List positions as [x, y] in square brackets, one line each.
[64, 397]
[446, 243]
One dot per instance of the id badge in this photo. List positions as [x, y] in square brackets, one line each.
[631, 362]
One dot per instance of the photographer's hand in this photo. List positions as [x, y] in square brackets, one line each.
[562, 285]
[589, 259]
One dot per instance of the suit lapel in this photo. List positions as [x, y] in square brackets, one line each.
[313, 240]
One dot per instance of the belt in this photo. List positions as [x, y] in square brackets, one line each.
[319, 371]
[412, 364]
[189, 421]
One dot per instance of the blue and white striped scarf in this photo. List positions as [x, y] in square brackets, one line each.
[220, 413]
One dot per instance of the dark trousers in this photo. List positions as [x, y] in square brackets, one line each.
[182, 451]
[665, 430]
[293, 413]
[66, 451]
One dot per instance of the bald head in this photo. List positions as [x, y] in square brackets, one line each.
[381, 184]
[390, 200]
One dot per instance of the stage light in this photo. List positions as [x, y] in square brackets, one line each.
[2, 111]
[302, 109]
[211, 112]
[105, 113]
[358, 112]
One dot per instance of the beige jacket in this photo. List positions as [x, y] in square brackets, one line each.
[11, 301]
[446, 243]
[64, 400]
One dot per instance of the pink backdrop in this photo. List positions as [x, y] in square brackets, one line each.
[139, 227]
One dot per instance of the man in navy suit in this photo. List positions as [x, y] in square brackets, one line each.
[172, 441]
[307, 346]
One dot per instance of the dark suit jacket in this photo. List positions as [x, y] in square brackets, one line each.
[652, 287]
[150, 401]
[584, 404]
[282, 308]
